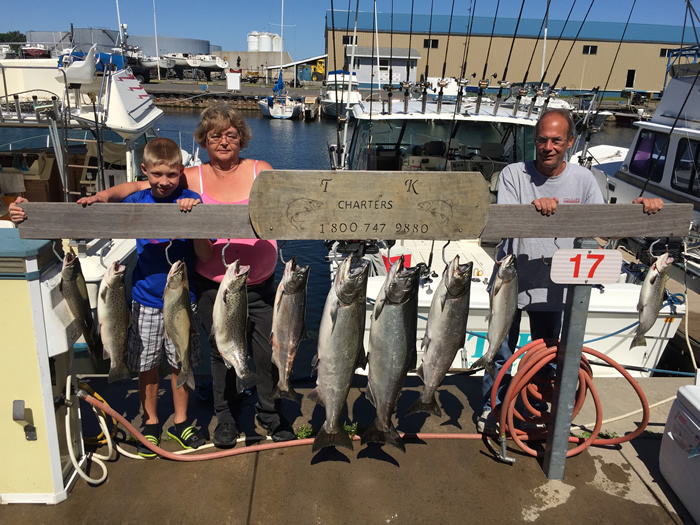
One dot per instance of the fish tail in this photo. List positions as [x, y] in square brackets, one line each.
[288, 393]
[375, 435]
[331, 439]
[246, 382]
[431, 407]
[486, 364]
[639, 340]
[185, 378]
[118, 373]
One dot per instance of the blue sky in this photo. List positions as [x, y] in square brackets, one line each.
[227, 23]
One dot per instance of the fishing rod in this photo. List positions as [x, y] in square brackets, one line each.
[406, 84]
[589, 127]
[352, 65]
[424, 82]
[371, 83]
[442, 82]
[566, 58]
[539, 91]
[335, 68]
[504, 83]
[523, 90]
[484, 83]
[389, 88]
[462, 82]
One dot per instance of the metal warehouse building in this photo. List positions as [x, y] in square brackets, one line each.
[640, 65]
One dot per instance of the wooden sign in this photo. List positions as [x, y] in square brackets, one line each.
[587, 220]
[348, 205]
[50, 220]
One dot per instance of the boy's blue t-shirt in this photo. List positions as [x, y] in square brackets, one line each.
[151, 272]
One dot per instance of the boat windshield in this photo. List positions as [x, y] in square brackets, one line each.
[407, 143]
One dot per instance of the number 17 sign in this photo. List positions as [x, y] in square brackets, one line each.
[586, 266]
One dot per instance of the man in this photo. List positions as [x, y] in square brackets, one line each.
[545, 182]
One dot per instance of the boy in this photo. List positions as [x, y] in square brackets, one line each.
[162, 164]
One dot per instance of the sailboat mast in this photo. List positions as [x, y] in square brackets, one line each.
[282, 37]
[155, 30]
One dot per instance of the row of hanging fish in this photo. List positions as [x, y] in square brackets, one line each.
[391, 351]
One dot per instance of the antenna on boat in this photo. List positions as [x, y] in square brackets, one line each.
[504, 83]
[483, 83]
[442, 82]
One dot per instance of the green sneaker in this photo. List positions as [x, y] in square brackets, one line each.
[145, 452]
[191, 437]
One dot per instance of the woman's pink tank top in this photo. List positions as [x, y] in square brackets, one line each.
[260, 255]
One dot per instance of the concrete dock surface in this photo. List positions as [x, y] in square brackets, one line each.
[435, 481]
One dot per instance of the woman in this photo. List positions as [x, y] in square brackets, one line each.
[227, 179]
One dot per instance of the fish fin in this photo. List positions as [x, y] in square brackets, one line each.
[249, 381]
[290, 394]
[272, 339]
[375, 435]
[315, 396]
[443, 300]
[639, 340]
[119, 373]
[369, 395]
[378, 307]
[431, 407]
[185, 378]
[482, 362]
[425, 343]
[335, 439]
[314, 363]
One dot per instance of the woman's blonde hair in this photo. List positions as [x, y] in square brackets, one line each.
[160, 151]
[218, 118]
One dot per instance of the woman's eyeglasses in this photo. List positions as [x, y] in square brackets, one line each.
[216, 138]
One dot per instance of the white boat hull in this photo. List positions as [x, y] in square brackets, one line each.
[290, 110]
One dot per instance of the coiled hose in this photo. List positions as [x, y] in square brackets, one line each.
[535, 356]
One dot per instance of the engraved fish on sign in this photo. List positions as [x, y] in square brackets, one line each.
[439, 209]
[298, 209]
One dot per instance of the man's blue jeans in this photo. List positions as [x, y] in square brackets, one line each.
[545, 325]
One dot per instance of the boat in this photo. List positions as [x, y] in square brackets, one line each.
[6, 51]
[340, 93]
[661, 162]
[34, 51]
[587, 108]
[280, 105]
[464, 138]
[211, 62]
[183, 59]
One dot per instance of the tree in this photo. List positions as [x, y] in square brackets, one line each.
[13, 36]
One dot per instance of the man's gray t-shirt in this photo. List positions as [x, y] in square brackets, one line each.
[521, 183]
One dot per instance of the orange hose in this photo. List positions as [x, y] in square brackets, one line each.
[535, 356]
